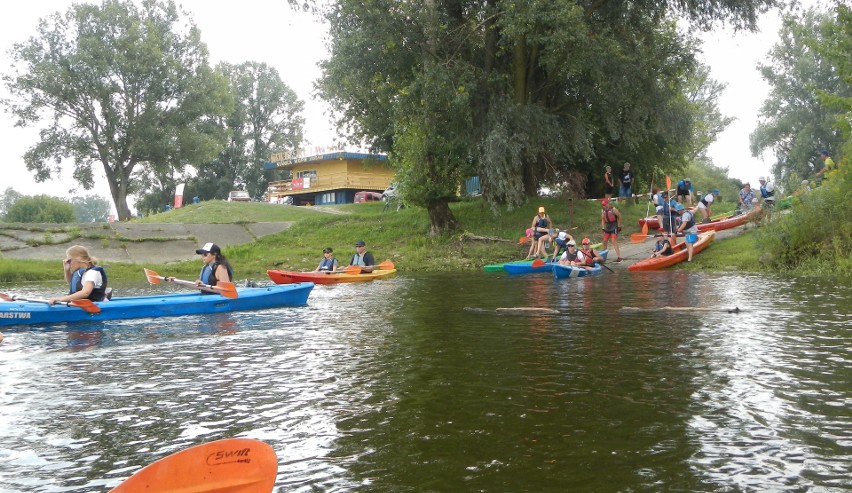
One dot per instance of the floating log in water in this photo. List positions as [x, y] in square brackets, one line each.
[518, 310]
[680, 309]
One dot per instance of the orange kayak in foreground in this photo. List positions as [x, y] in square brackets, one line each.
[680, 254]
[288, 277]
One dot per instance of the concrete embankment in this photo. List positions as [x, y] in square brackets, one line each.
[126, 242]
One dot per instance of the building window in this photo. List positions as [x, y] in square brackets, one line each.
[312, 174]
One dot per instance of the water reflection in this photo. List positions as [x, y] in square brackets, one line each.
[394, 386]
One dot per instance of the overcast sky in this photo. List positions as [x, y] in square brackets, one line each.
[268, 31]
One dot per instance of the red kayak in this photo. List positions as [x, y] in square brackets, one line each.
[721, 224]
[680, 254]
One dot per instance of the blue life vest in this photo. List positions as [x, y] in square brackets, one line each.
[541, 223]
[764, 193]
[326, 264]
[208, 274]
[97, 294]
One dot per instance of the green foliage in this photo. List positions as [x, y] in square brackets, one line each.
[40, 209]
[121, 85]
[7, 200]
[796, 123]
[816, 235]
[91, 208]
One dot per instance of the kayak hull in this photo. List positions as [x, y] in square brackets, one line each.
[573, 272]
[525, 267]
[680, 255]
[721, 224]
[288, 277]
[167, 305]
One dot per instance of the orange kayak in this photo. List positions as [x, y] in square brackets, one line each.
[289, 277]
[680, 254]
[720, 224]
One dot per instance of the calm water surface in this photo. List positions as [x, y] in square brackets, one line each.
[418, 384]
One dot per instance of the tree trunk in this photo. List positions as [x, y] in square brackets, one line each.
[117, 180]
[441, 218]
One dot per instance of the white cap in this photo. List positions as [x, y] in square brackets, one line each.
[761, 179]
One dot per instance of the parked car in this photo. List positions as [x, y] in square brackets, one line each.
[239, 196]
[390, 192]
[361, 197]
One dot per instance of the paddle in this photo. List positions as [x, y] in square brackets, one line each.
[648, 207]
[84, 304]
[226, 289]
[356, 269]
[605, 267]
[234, 465]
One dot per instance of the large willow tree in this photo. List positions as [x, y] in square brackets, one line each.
[121, 85]
[519, 92]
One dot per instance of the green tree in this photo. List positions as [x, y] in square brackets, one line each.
[7, 200]
[520, 93]
[795, 124]
[266, 118]
[40, 209]
[121, 85]
[91, 208]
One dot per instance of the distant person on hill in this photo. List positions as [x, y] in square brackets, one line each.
[684, 191]
[704, 205]
[86, 279]
[827, 161]
[626, 177]
[611, 226]
[362, 257]
[609, 183]
[216, 267]
[541, 225]
[328, 262]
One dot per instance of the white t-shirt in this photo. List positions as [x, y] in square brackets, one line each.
[707, 198]
[769, 187]
[93, 276]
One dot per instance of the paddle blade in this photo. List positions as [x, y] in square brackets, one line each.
[668, 183]
[523, 240]
[86, 305]
[537, 263]
[638, 238]
[386, 265]
[6, 297]
[153, 277]
[352, 269]
[234, 465]
[645, 228]
[226, 289]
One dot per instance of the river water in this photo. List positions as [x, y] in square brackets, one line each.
[418, 384]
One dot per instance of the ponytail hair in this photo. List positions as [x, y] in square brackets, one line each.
[81, 254]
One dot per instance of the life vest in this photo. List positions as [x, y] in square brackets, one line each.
[704, 201]
[690, 223]
[98, 293]
[542, 222]
[208, 274]
[609, 217]
[588, 257]
[571, 257]
[764, 193]
[665, 248]
[326, 264]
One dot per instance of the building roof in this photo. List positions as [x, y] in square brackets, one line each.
[330, 156]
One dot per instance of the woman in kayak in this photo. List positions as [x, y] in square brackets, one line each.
[86, 279]
[328, 262]
[216, 267]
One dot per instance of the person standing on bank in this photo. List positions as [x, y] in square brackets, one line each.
[704, 205]
[827, 161]
[609, 183]
[684, 191]
[216, 267]
[87, 280]
[689, 228]
[767, 192]
[328, 262]
[362, 257]
[626, 178]
[541, 225]
[611, 226]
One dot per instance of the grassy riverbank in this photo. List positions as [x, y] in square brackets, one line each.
[401, 237]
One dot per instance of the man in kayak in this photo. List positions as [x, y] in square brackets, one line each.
[216, 267]
[663, 247]
[569, 257]
[363, 258]
[587, 257]
[86, 278]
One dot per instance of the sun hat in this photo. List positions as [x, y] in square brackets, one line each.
[208, 248]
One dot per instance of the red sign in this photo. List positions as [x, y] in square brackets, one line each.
[297, 184]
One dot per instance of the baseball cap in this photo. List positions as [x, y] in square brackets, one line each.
[587, 241]
[208, 248]
[572, 243]
[761, 179]
[687, 180]
[715, 191]
[605, 202]
[823, 152]
[541, 209]
[360, 243]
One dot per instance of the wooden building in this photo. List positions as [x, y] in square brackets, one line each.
[330, 178]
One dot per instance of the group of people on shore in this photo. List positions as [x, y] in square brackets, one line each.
[543, 234]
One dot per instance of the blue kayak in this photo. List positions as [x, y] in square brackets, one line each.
[567, 271]
[527, 267]
[166, 305]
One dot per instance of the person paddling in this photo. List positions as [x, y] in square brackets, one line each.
[328, 262]
[362, 257]
[588, 257]
[216, 267]
[86, 279]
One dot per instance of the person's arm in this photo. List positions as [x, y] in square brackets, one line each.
[88, 286]
[222, 274]
[618, 216]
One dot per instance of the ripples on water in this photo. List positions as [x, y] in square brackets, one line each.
[393, 386]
